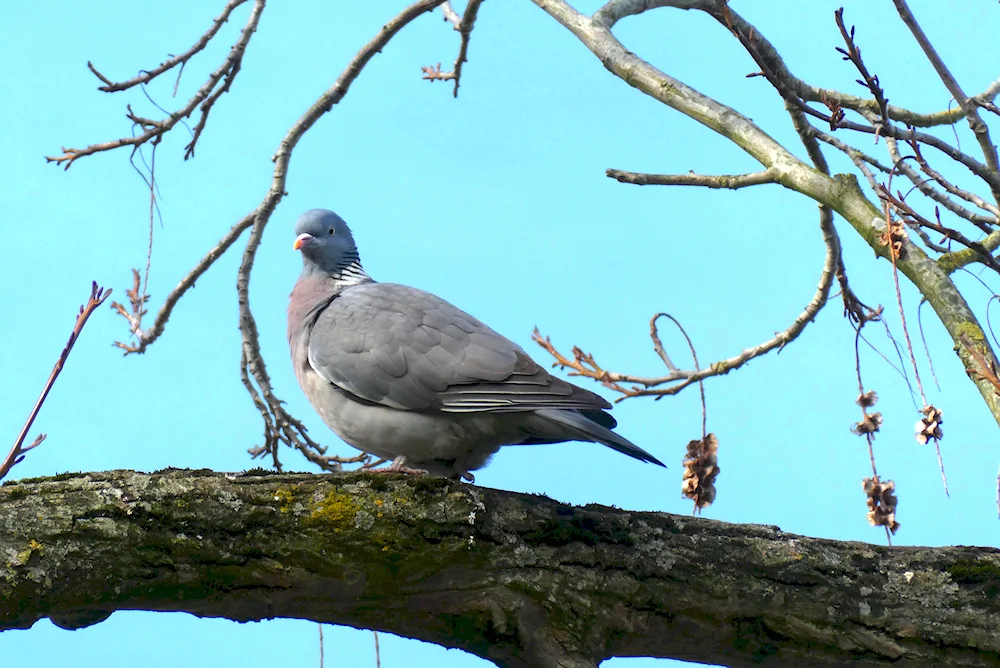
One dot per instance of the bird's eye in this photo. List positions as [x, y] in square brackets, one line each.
[333, 230]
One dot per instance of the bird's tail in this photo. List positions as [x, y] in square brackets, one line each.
[584, 429]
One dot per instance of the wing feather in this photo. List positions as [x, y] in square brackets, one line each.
[408, 349]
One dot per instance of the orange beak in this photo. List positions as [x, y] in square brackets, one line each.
[301, 241]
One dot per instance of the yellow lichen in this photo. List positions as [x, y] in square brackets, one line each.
[284, 496]
[335, 508]
[970, 330]
[25, 555]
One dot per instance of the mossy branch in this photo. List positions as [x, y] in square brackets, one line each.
[519, 580]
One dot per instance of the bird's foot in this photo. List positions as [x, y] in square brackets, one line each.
[467, 477]
[398, 465]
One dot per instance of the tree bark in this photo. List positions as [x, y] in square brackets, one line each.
[518, 580]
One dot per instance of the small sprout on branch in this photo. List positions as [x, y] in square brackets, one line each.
[434, 73]
[137, 301]
[881, 503]
[701, 467]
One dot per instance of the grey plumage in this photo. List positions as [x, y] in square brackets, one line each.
[403, 374]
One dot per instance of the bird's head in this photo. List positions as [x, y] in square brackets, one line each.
[325, 241]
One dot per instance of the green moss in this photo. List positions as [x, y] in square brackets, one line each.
[982, 574]
[15, 494]
[428, 483]
[54, 478]
[974, 571]
[755, 637]
[949, 262]
[579, 528]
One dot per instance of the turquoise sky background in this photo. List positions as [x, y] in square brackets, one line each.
[498, 202]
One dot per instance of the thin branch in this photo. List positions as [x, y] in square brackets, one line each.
[146, 337]
[18, 450]
[280, 426]
[949, 262]
[468, 23]
[854, 154]
[899, 162]
[731, 181]
[906, 210]
[853, 53]
[615, 10]
[923, 340]
[206, 96]
[979, 128]
[949, 187]
[584, 365]
[463, 26]
[148, 75]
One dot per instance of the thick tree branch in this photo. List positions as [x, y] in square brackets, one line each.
[616, 10]
[519, 580]
[730, 181]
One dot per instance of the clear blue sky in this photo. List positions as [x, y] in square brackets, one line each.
[496, 201]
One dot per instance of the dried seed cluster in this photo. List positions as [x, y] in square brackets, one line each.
[870, 422]
[929, 426]
[881, 503]
[701, 467]
[894, 236]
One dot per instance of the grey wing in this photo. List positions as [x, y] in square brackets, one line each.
[405, 348]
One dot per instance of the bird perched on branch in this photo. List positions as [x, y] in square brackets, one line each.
[403, 374]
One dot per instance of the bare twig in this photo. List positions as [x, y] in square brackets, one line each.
[856, 156]
[951, 188]
[655, 335]
[378, 656]
[320, 645]
[899, 162]
[18, 450]
[463, 25]
[280, 427]
[148, 75]
[971, 111]
[923, 340]
[731, 181]
[582, 364]
[152, 130]
[897, 203]
[853, 54]
[148, 336]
